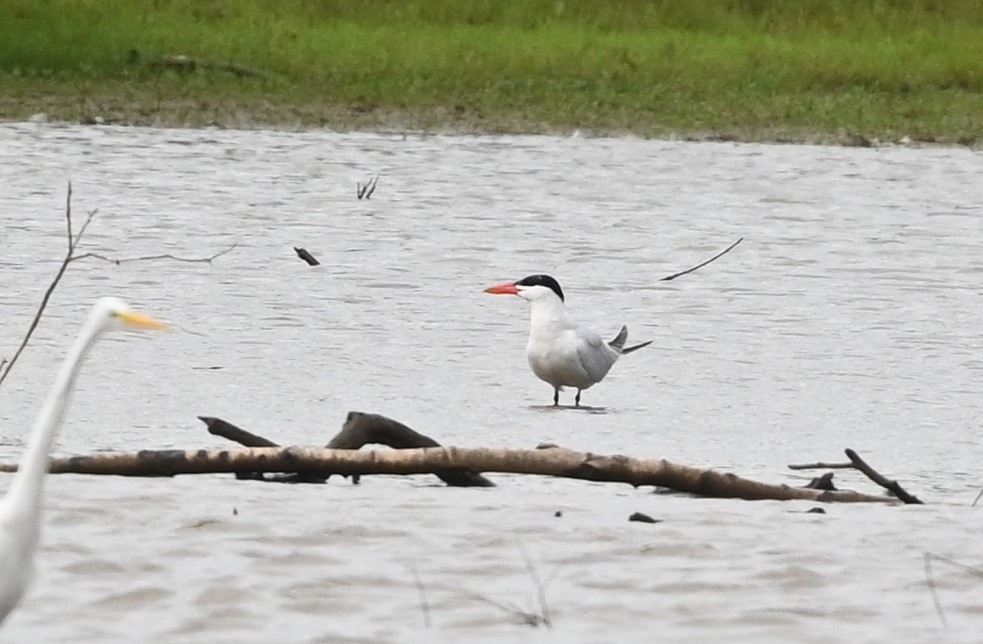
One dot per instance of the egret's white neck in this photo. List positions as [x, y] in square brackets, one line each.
[25, 491]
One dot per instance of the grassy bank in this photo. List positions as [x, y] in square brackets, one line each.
[748, 69]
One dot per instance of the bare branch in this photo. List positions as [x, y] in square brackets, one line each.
[72, 243]
[74, 239]
[698, 266]
[877, 477]
[203, 260]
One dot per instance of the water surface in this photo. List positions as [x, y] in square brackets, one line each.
[849, 317]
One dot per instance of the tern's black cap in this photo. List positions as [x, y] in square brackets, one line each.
[542, 280]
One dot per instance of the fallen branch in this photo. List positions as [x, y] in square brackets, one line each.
[699, 266]
[219, 427]
[552, 461]
[360, 429]
[892, 486]
[858, 463]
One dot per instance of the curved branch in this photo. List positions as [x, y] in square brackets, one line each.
[699, 266]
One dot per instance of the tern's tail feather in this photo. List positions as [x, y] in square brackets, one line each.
[636, 347]
[618, 344]
[619, 341]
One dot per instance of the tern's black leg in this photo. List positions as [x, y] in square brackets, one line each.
[576, 401]
[556, 397]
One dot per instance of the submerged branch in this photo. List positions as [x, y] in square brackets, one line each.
[360, 429]
[892, 486]
[117, 261]
[551, 461]
[857, 463]
[699, 266]
[822, 466]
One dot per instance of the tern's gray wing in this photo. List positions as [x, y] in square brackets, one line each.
[596, 357]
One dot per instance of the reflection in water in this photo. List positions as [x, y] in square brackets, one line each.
[849, 317]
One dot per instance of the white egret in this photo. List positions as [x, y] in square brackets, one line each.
[20, 509]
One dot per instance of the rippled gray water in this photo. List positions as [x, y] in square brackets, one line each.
[850, 317]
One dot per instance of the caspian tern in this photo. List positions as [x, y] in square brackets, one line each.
[560, 351]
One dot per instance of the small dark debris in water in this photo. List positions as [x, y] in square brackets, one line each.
[207, 368]
[558, 513]
[824, 482]
[815, 511]
[235, 512]
[365, 190]
[307, 257]
[643, 518]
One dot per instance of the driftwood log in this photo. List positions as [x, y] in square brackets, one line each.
[342, 457]
[546, 461]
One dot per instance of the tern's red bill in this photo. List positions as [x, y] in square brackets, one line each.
[508, 288]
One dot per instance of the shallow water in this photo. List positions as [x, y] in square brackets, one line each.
[849, 317]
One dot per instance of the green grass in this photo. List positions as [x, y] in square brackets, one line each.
[750, 69]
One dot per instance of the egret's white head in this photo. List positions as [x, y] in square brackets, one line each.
[114, 313]
[532, 288]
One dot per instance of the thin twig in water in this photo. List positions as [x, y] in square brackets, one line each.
[544, 608]
[73, 242]
[365, 191]
[525, 617]
[204, 260]
[530, 618]
[977, 499]
[698, 266]
[424, 604]
[931, 581]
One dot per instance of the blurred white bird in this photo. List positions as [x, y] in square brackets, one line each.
[20, 509]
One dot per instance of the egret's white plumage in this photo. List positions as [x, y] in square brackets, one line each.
[560, 351]
[21, 507]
